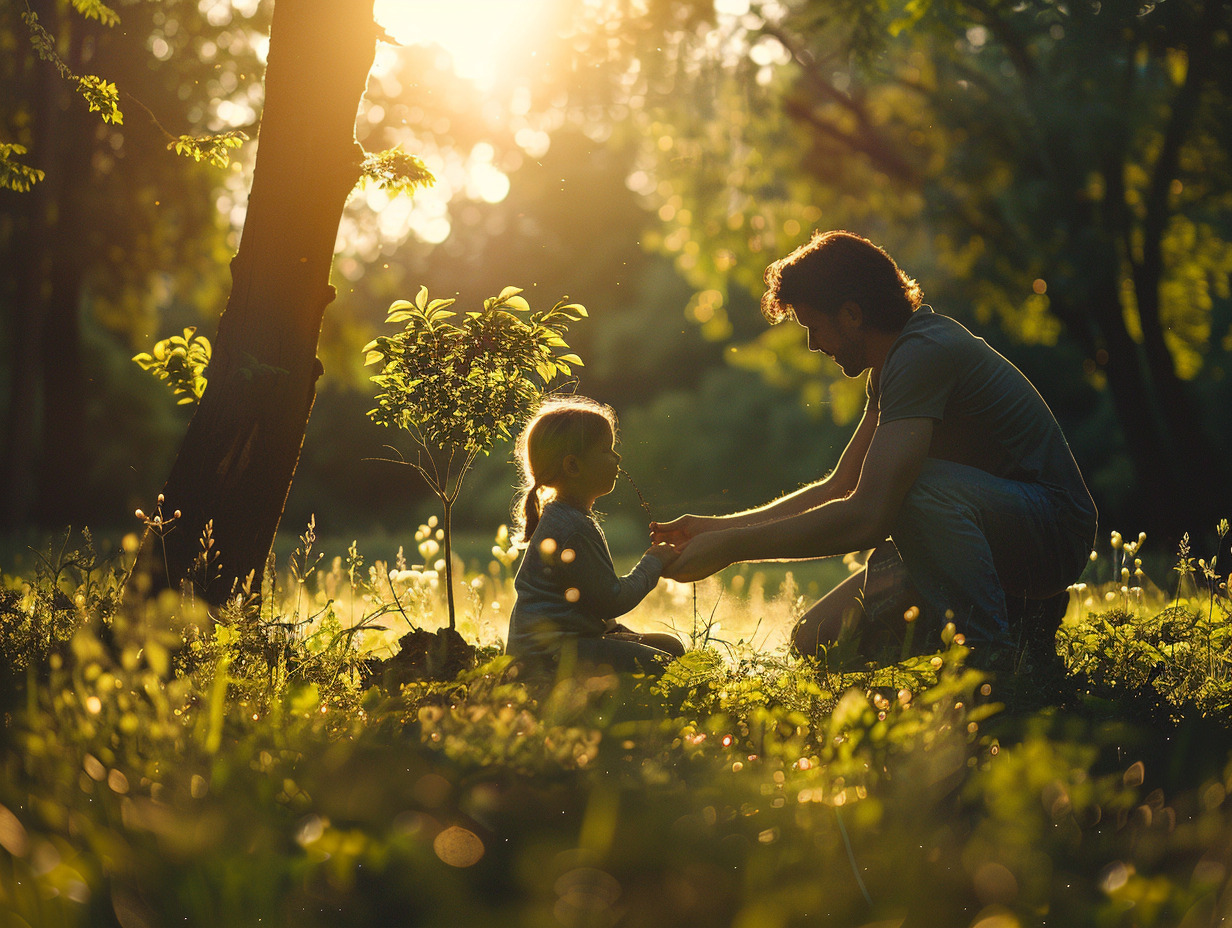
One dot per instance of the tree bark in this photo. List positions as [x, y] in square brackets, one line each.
[235, 467]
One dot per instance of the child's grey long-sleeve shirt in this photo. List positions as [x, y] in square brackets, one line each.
[567, 584]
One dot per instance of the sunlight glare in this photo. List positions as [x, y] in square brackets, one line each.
[473, 32]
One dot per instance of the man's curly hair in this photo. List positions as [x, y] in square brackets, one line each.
[835, 267]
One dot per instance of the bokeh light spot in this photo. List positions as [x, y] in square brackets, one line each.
[458, 847]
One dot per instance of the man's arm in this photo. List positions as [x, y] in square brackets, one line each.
[839, 483]
[860, 520]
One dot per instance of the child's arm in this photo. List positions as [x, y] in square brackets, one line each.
[588, 570]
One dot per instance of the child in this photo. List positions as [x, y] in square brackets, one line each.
[568, 594]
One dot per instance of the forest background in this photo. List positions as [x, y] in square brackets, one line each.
[1056, 176]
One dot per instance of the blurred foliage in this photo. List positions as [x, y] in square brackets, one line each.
[657, 156]
[119, 240]
[1091, 207]
[162, 764]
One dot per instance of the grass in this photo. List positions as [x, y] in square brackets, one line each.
[163, 768]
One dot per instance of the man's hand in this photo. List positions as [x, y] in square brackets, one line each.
[706, 554]
[680, 531]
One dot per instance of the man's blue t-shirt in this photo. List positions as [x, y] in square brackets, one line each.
[987, 414]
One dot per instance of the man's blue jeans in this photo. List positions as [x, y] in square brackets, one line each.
[969, 540]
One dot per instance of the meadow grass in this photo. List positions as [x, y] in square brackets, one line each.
[163, 765]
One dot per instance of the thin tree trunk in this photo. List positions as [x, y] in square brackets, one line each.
[62, 454]
[31, 253]
[448, 526]
[1158, 467]
[235, 467]
[1198, 462]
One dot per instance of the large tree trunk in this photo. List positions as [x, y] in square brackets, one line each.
[235, 467]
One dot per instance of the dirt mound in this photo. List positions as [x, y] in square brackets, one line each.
[423, 655]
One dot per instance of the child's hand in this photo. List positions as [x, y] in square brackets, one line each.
[664, 552]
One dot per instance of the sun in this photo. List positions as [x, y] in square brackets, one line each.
[475, 33]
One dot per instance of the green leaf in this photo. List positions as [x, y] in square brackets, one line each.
[212, 149]
[180, 362]
[95, 9]
[14, 175]
[396, 170]
[101, 97]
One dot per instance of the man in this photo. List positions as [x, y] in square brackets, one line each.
[957, 463]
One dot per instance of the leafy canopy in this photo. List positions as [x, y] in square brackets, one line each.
[459, 386]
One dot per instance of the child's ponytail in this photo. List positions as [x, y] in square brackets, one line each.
[528, 511]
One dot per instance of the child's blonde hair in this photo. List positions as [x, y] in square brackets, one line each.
[563, 425]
